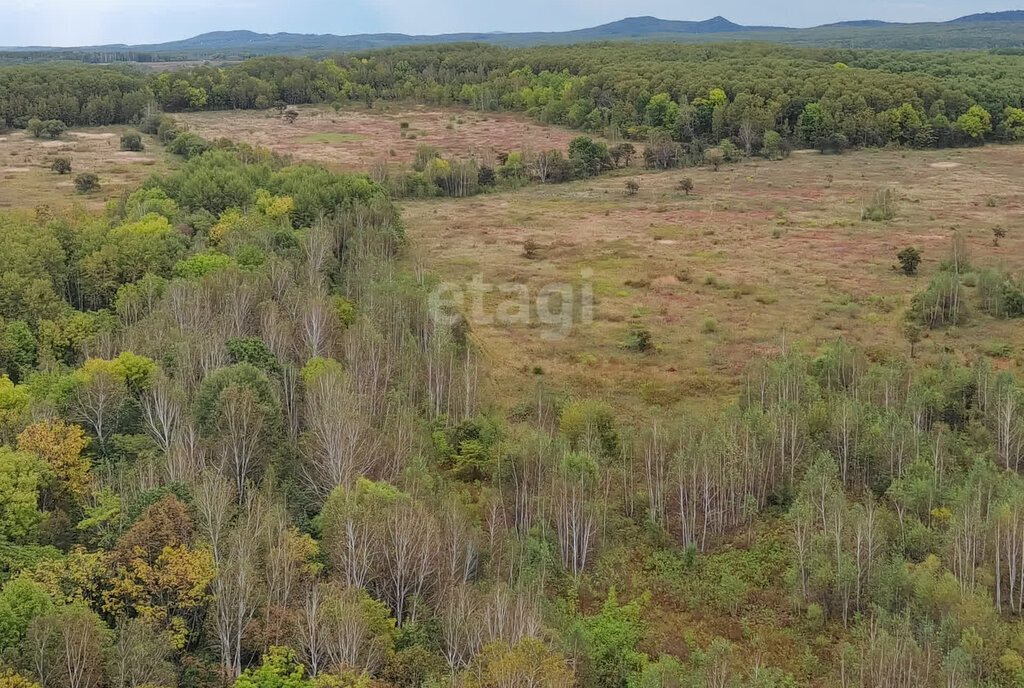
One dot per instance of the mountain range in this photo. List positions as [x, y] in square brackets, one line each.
[1002, 30]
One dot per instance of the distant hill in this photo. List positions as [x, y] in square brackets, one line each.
[1008, 16]
[994, 30]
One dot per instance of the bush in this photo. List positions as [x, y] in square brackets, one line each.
[881, 207]
[772, 148]
[729, 150]
[685, 185]
[188, 145]
[132, 141]
[639, 339]
[632, 187]
[86, 182]
[50, 129]
[485, 176]
[709, 326]
[61, 165]
[909, 259]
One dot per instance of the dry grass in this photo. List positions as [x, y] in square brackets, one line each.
[354, 139]
[26, 180]
[769, 250]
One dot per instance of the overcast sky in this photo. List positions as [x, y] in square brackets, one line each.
[91, 22]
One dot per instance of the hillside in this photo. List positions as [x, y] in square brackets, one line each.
[997, 30]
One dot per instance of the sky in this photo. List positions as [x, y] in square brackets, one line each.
[97, 22]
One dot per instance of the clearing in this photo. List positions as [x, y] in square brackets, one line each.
[759, 253]
[26, 180]
[356, 139]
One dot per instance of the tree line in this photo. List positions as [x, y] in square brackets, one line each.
[692, 95]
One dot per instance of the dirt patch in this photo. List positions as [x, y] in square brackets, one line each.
[93, 135]
[945, 165]
[16, 169]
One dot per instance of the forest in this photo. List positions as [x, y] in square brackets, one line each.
[692, 95]
[236, 449]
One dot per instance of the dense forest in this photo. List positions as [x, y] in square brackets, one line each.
[694, 96]
[236, 449]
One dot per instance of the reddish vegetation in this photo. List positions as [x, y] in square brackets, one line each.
[378, 134]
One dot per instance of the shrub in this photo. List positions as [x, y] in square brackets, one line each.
[132, 141]
[881, 207]
[86, 182]
[50, 129]
[632, 187]
[729, 150]
[61, 165]
[909, 259]
[685, 185]
[772, 148]
[709, 325]
[639, 339]
[188, 145]
[485, 176]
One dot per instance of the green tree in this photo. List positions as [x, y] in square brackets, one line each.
[909, 259]
[975, 123]
[279, 669]
[22, 474]
[661, 111]
[588, 157]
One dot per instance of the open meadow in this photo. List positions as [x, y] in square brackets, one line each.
[27, 180]
[757, 254]
[357, 138]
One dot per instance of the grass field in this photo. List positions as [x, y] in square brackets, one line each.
[356, 139]
[26, 180]
[759, 253]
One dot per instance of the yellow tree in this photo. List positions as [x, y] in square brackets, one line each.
[60, 445]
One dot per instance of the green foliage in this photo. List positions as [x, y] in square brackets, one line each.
[21, 476]
[975, 123]
[132, 141]
[609, 642]
[201, 265]
[49, 129]
[771, 147]
[254, 351]
[638, 338]
[246, 376]
[21, 600]
[588, 157]
[279, 669]
[909, 259]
